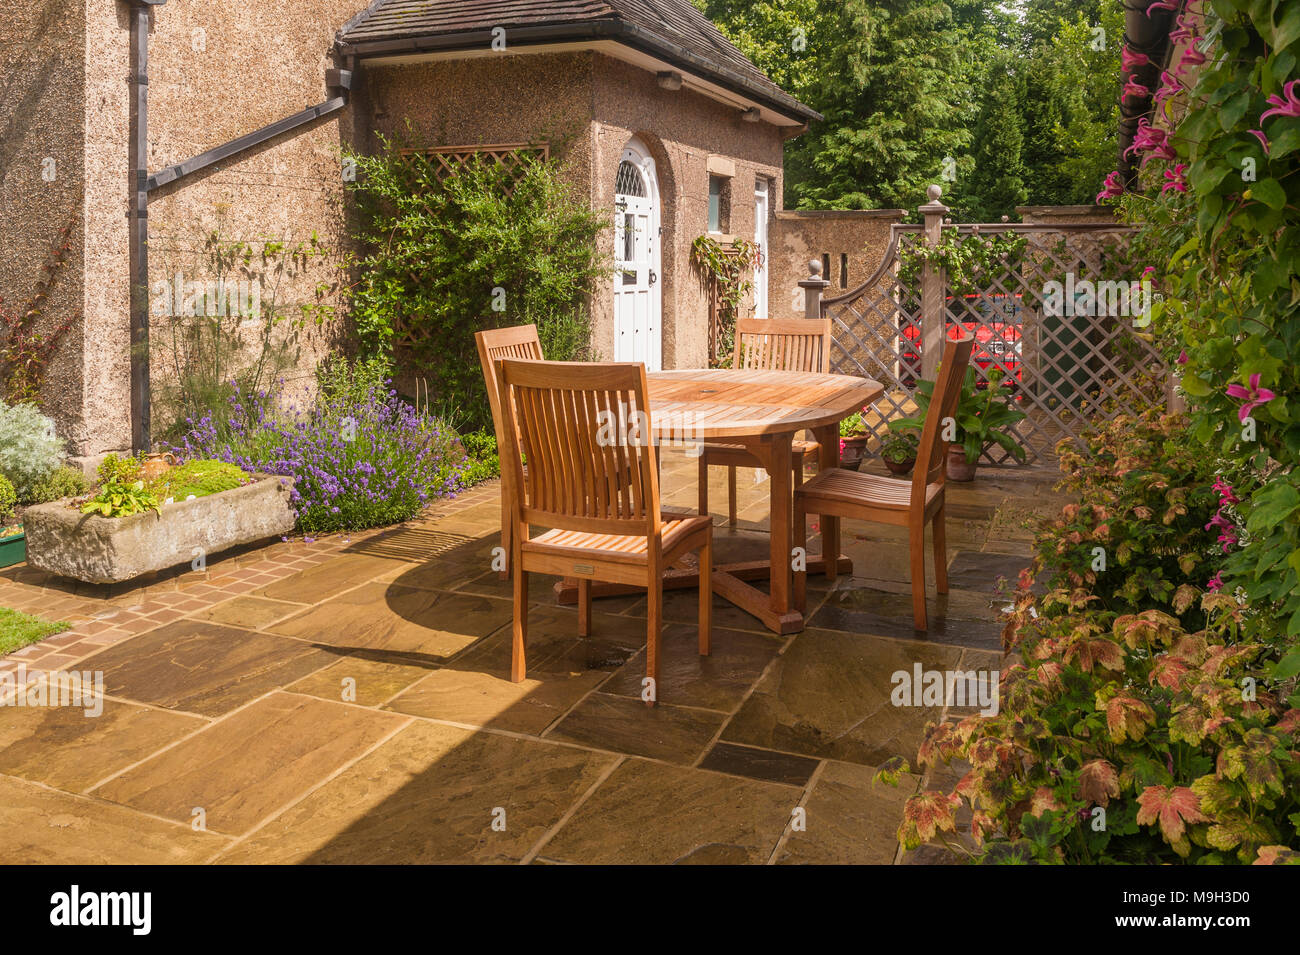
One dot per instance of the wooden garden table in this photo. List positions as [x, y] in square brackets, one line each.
[764, 411]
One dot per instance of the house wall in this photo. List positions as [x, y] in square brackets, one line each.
[683, 130]
[856, 238]
[217, 71]
[43, 51]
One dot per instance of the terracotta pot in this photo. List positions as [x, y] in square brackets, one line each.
[899, 467]
[852, 448]
[959, 469]
[154, 465]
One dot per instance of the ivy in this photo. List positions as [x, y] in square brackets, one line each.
[967, 258]
[724, 268]
[25, 353]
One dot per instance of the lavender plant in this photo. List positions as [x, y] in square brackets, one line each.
[359, 454]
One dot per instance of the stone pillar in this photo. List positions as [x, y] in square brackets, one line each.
[933, 284]
[813, 286]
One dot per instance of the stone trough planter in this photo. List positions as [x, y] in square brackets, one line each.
[106, 550]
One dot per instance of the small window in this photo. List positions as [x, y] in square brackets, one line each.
[844, 270]
[719, 204]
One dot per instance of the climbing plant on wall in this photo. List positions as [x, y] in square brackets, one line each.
[25, 353]
[723, 268]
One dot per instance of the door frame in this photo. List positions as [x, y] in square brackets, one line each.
[637, 153]
[762, 238]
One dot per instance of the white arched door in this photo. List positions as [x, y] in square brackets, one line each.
[638, 332]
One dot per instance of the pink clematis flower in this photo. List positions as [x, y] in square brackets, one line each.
[1226, 494]
[1174, 179]
[1288, 104]
[1251, 398]
[1215, 583]
[1130, 60]
[1263, 140]
[1170, 5]
[1134, 89]
[1186, 29]
[1114, 187]
[1182, 357]
[1191, 57]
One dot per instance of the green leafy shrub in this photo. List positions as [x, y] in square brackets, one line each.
[1145, 720]
[197, 478]
[486, 247]
[984, 416]
[60, 483]
[122, 469]
[1138, 532]
[8, 499]
[900, 448]
[119, 499]
[484, 462]
[29, 448]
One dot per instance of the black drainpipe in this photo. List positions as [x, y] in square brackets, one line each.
[1149, 35]
[139, 215]
[339, 81]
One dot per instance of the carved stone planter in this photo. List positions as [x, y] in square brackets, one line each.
[105, 550]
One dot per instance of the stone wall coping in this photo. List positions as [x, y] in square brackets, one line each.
[841, 214]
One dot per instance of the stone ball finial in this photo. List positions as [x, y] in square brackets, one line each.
[947, 220]
[815, 266]
[1006, 218]
[934, 192]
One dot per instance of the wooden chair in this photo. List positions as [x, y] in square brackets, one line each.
[593, 481]
[911, 504]
[769, 345]
[493, 345]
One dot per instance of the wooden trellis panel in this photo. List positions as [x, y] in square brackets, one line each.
[1071, 369]
[448, 160]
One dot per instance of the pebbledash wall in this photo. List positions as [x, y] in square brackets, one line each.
[217, 71]
[220, 70]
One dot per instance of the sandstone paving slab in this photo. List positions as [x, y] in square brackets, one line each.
[762, 764]
[625, 725]
[850, 819]
[421, 543]
[554, 645]
[65, 748]
[41, 826]
[428, 795]
[329, 577]
[492, 700]
[251, 613]
[245, 767]
[202, 667]
[415, 626]
[829, 695]
[647, 814]
[716, 682]
[980, 571]
[360, 679]
[884, 608]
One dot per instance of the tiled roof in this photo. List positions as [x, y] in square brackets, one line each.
[673, 30]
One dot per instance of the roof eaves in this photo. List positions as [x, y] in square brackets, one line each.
[602, 29]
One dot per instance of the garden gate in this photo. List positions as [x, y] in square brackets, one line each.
[1053, 312]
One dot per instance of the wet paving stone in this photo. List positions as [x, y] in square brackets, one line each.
[626, 725]
[761, 764]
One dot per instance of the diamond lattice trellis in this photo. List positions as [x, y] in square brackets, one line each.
[1067, 369]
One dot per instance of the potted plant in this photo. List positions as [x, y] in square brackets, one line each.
[13, 545]
[983, 417]
[899, 452]
[853, 441]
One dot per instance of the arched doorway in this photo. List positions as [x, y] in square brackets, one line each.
[638, 311]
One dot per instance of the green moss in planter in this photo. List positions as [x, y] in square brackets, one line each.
[197, 478]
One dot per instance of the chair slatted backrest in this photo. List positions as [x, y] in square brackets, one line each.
[585, 429]
[931, 456]
[498, 343]
[769, 344]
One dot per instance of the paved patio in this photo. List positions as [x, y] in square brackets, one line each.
[347, 700]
